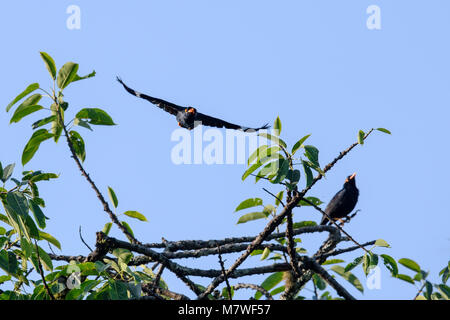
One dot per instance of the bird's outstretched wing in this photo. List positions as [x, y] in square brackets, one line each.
[218, 123]
[165, 105]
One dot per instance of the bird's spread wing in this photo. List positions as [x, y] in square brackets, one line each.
[165, 105]
[218, 123]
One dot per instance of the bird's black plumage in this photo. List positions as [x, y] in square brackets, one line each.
[188, 117]
[343, 202]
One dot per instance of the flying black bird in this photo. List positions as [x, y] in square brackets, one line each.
[188, 117]
[343, 202]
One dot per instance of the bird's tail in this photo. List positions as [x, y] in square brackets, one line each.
[324, 221]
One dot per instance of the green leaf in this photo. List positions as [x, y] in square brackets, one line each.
[48, 237]
[277, 126]
[66, 74]
[43, 176]
[249, 203]
[265, 253]
[127, 226]
[23, 111]
[277, 291]
[8, 262]
[17, 202]
[384, 130]
[270, 282]
[313, 200]
[354, 264]
[251, 216]
[118, 290]
[113, 197]
[3, 279]
[312, 153]
[445, 290]
[57, 123]
[33, 144]
[136, 215]
[7, 172]
[275, 139]
[320, 284]
[256, 154]
[78, 145]
[282, 172]
[333, 261]
[410, 264]
[293, 176]
[299, 144]
[31, 226]
[32, 87]
[43, 122]
[82, 123]
[428, 289]
[303, 224]
[361, 136]
[95, 116]
[279, 197]
[308, 173]
[366, 264]
[405, 277]
[49, 63]
[38, 214]
[350, 277]
[90, 75]
[226, 294]
[390, 264]
[251, 169]
[107, 228]
[45, 259]
[382, 243]
[264, 153]
[123, 254]
[373, 260]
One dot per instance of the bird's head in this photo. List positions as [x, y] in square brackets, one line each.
[190, 110]
[350, 181]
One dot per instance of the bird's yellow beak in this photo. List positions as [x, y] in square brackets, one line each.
[351, 177]
[189, 110]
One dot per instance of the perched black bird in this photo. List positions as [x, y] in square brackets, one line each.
[343, 202]
[188, 117]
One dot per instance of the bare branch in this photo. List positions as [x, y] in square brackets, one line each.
[254, 287]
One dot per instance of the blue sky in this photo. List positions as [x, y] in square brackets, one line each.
[314, 64]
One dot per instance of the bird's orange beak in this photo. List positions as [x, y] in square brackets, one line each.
[351, 177]
[191, 110]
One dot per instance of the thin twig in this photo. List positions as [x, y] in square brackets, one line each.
[41, 272]
[82, 240]
[281, 201]
[158, 276]
[254, 287]
[222, 267]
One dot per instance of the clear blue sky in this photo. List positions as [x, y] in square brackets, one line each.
[315, 64]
